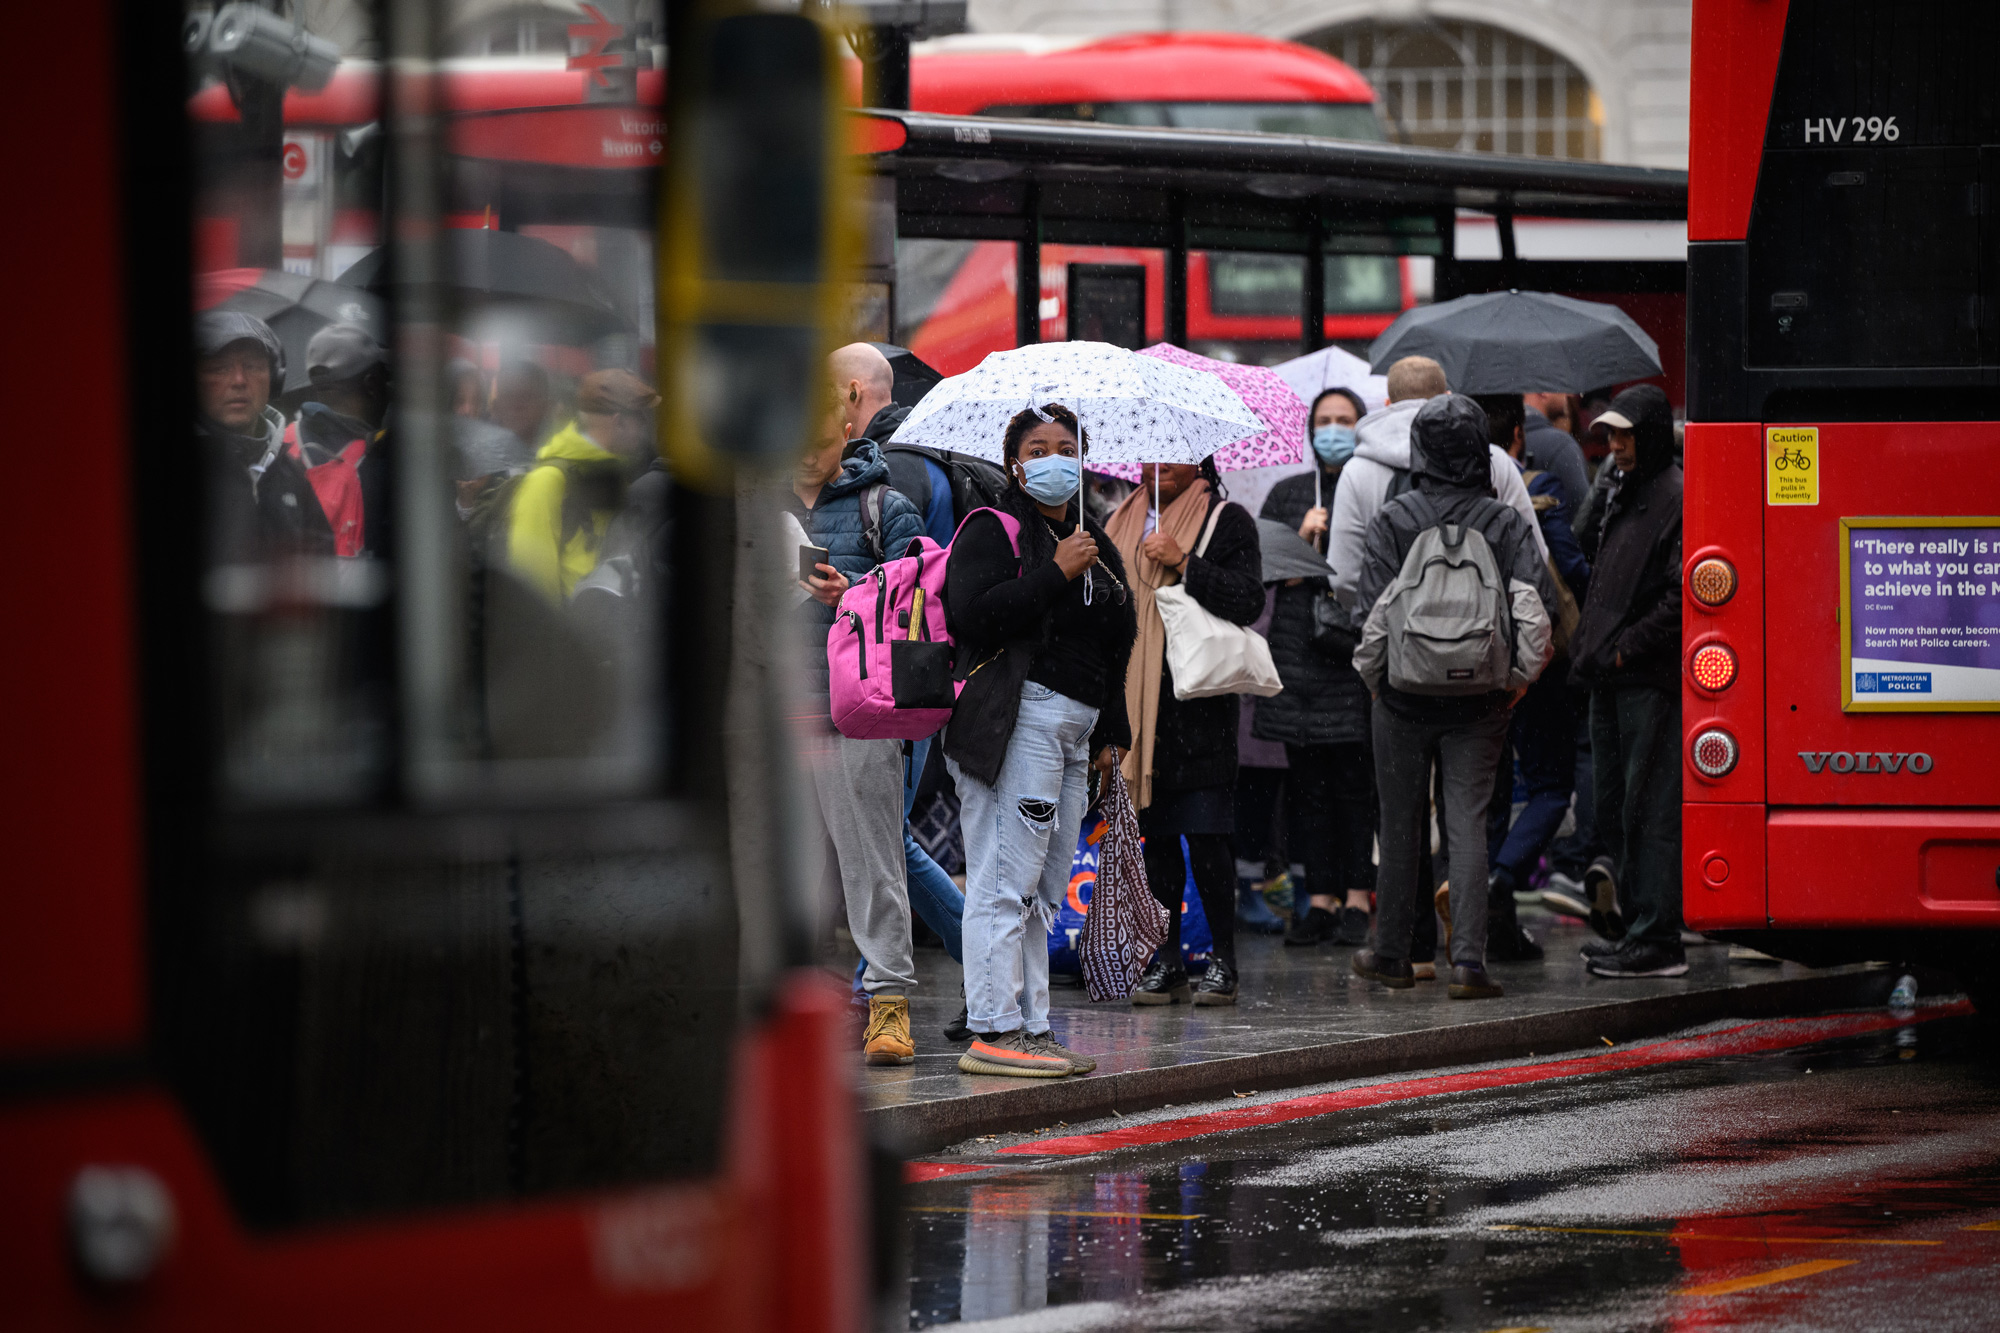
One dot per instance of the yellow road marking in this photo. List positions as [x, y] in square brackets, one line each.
[1521, 1328]
[1065, 1212]
[1766, 1278]
[1706, 1235]
[1983, 1226]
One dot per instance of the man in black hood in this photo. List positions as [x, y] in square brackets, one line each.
[1627, 649]
[259, 504]
[1463, 734]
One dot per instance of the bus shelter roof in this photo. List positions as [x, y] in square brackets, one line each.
[978, 177]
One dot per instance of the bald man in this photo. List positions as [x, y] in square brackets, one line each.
[865, 386]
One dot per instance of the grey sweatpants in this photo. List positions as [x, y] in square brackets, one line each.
[1467, 753]
[860, 786]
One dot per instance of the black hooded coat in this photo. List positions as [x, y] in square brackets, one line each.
[1630, 631]
[1452, 469]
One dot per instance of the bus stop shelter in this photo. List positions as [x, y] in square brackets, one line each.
[1039, 181]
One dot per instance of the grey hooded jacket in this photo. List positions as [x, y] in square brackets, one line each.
[1451, 475]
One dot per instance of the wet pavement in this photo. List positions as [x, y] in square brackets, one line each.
[1304, 1017]
[1835, 1173]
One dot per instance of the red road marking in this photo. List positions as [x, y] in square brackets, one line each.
[1749, 1039]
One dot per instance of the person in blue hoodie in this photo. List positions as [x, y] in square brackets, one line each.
[842, 498]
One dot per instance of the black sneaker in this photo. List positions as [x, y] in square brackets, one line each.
[1510, 942]
[1353, 928]
[1600, 948]
[1395, 973]
[1643, 958]
[1163, 983]
[1315, 927]
[1472, 983]
[960, 1028]
[1566, 895]
[1217, 984]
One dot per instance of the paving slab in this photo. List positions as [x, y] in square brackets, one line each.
[1303, 1017]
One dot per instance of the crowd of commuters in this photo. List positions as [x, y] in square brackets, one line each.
[1067, 673]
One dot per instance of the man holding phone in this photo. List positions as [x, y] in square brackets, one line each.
[852, 517]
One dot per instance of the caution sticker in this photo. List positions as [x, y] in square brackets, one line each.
[1791, 465]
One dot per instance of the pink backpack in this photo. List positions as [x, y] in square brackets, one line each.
[889, 656]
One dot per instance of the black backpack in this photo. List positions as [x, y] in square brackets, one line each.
[975, 483]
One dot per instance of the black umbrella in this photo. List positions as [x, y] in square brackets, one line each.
[1288, 555]
[1521, 342]
[296, 308]
[913, 377]
[504, 272]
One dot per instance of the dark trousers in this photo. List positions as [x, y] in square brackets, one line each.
[1635, 748]
[1543, 739]
[1466, 754]
[1573, 854]
[1260, 825]
[1214, 864]
[1330, 803]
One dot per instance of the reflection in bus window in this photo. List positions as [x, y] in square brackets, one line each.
[441, 937]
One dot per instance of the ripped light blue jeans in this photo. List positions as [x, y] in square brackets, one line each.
[1020, 835]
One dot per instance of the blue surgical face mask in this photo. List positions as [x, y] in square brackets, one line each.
[1333, 444]
[1050, 480]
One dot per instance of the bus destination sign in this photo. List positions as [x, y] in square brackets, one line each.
[1922, 599]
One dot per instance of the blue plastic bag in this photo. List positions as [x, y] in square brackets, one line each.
[1196, 941]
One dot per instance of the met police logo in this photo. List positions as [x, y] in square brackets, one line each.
[1865, 761]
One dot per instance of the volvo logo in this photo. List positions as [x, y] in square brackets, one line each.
[1865, 761]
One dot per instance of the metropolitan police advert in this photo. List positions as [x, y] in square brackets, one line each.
[1924, 622]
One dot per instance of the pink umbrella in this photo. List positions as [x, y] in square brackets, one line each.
[1263, 392]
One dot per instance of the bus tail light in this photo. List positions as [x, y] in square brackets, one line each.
[1714, 752]
[1712, 581]
[1713, 667]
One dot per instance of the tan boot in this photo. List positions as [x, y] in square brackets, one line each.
[887, 1041]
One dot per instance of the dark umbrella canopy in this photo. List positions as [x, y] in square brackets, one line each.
[1521, 342]
[914, 377]
[1288, 555]
[296, 308]
[505, 272]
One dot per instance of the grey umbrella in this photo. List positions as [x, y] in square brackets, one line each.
[1521, 342]
[503, 271]
[1288, 555]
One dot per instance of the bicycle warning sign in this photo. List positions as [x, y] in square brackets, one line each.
[1791, 465]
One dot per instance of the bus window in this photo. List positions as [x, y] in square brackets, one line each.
[432, 929]
[1326, 120]
[1268, 285]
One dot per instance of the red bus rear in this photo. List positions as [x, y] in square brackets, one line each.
[1842, 622]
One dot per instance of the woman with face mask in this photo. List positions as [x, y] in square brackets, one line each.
[1321, 716]
[1182, 768]
[1043, 638]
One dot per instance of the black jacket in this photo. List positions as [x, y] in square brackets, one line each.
[1448, 455]
[1194, 741]
[1551, 449]
[1324, 701]
[260, 505]
[1016, 620]
[1633, 611]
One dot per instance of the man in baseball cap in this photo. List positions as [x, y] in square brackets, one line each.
[338, 436]
[260, 504]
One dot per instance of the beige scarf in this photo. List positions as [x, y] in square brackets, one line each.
[1182, 521]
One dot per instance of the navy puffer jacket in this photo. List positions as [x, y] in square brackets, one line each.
[835, 522]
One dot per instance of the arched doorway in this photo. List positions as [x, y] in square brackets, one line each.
[1447, 83]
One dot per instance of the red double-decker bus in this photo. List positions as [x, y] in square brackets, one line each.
[1842, 542]
[958, 298]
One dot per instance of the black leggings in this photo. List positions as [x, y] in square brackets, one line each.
[1214, 878]
[1330, 794]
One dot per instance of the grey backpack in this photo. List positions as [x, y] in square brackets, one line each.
[1447, 621]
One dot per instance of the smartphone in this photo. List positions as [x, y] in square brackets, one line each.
[809, 557]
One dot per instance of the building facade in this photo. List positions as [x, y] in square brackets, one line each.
[1604, 79]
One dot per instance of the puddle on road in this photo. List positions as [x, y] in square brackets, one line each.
[1791, 1197]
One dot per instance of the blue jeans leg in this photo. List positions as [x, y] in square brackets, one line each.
[934, 898]
[1544, 734]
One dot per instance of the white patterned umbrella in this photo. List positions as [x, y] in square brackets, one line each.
[1136, 409]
